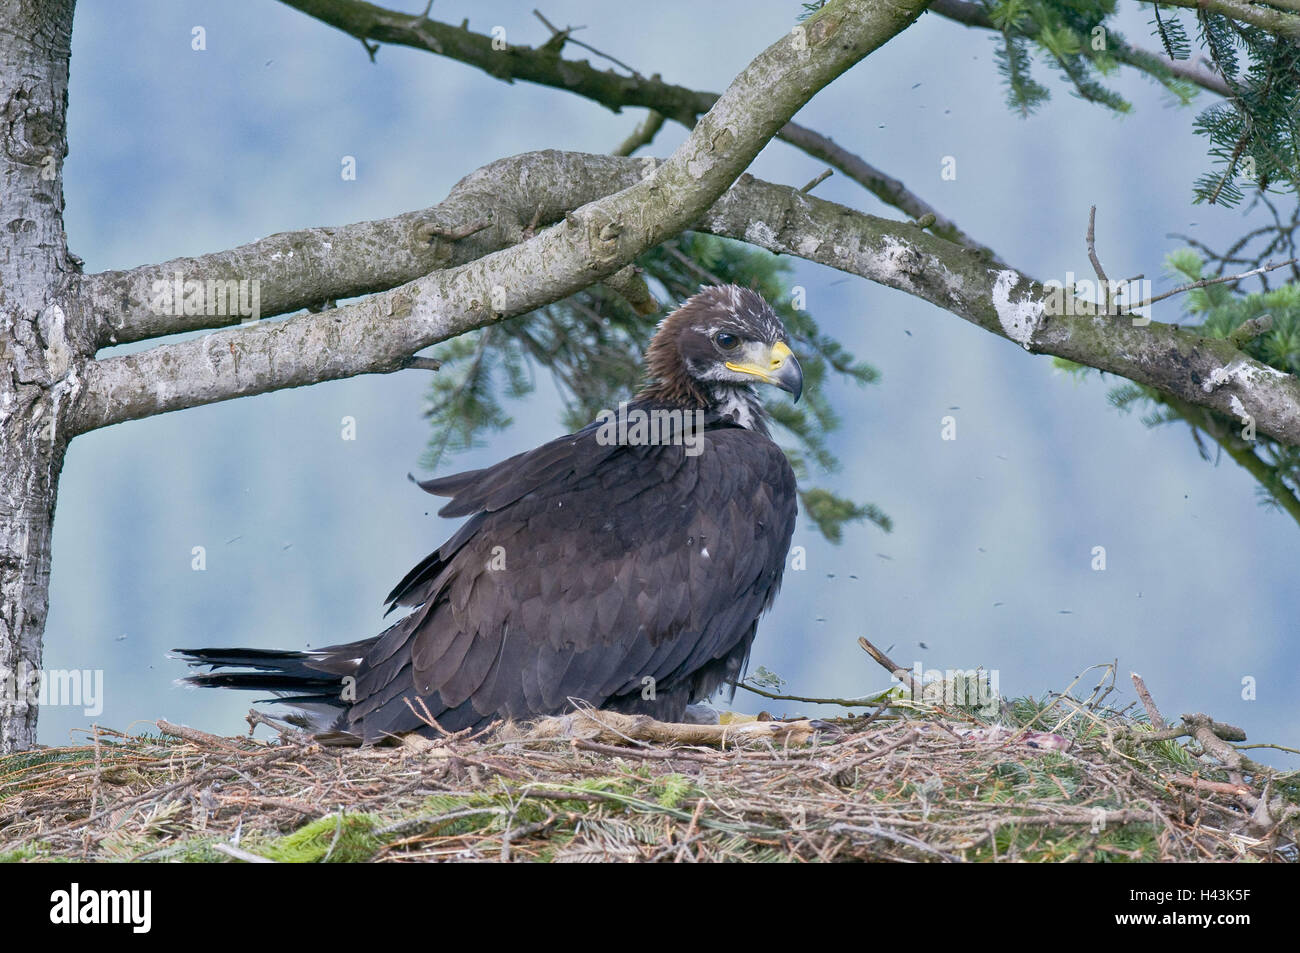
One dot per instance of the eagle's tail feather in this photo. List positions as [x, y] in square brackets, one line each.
[311, 682]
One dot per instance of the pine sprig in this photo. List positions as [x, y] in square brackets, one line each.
[1172, 36]
[1252, 134]
[1024, 93]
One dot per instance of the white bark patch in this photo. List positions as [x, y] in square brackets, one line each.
[1238, 372]
[58, 355]
[808, 245]
[700, 165]
[1237, 406]
[1019, 319]
[761, 234]
[67, 388]
[213, 351]
[425, 307]
[901, 259]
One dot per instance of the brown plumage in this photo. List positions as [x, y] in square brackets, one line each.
[626, 573]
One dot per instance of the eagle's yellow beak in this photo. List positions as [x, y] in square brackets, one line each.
[775, 365]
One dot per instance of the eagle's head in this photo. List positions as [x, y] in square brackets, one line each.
[710, 351]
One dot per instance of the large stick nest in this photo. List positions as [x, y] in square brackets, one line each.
[1045, 780]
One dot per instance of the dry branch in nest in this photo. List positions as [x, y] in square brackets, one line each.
[614, 728]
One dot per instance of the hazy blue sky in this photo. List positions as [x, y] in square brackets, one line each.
[179, 152]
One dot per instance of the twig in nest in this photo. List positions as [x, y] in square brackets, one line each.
[893, 668]
[1157, 722]
[99, 774]
[1214, 737]
[1267, 744]
[863, 702]
[287, 733]
[519, 833]
[338, 832]
[612, 727]
[194, 736]
[447, 737]
[414, 826]
[240, 854]
[623, 751]
[1217, 787]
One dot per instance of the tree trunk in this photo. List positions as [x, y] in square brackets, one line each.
[41, 348]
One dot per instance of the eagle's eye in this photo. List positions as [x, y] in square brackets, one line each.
[726, 340]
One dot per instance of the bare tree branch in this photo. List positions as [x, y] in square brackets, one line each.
[817, 180]
[381, 332]
[295, 270]
[1102, 281]
[1207, 372]
[1204, 372]
[544, 66]
[643, 135]
[560, 37]
[1218, 280]
[884, 187]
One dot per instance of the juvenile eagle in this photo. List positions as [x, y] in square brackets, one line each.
[625, 565]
